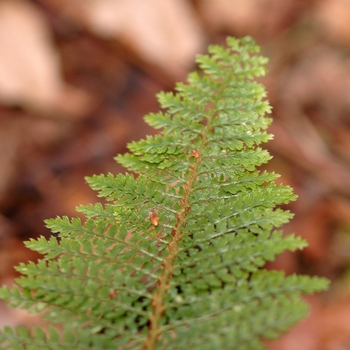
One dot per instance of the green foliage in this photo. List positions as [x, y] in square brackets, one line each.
[193, 276]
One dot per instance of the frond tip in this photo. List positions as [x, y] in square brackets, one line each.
[175, 259]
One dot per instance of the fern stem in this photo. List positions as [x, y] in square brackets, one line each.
[158, 300]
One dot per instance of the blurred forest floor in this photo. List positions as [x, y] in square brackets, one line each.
[77, 77]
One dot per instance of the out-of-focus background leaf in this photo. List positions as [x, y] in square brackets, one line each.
[77, 77]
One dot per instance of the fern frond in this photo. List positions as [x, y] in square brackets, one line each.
[175, 259]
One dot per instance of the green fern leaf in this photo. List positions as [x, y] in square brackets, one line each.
[175, 259]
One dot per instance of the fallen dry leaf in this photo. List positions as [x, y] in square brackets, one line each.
[261, 19]
[165, 33]
[29, 64]
[334, 17]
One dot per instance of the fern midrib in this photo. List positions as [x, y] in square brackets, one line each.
[168, 264]
[158, 298]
